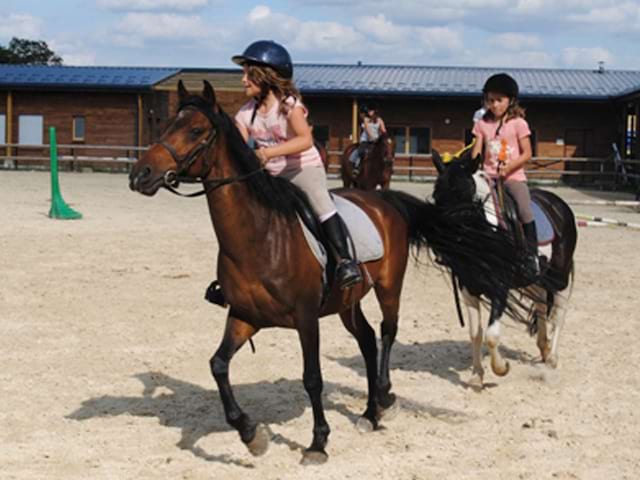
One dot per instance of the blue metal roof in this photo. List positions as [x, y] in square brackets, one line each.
[462, 81]
[69, 78]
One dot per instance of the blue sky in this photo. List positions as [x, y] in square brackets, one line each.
[205, 33]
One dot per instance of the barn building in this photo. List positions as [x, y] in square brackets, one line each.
[574, 114]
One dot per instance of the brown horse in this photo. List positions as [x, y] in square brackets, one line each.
[269, 275]
[376, 167]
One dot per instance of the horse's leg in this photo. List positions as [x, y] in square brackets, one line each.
[474, 314]
[498, 364]
[236, 333]
[541, 311]
[389, 299]
[354, 320]
[556, 318]
[312, 379]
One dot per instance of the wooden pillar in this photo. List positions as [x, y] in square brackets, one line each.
[354, 121]
[9, 122]
[636, 146]
[140, 121]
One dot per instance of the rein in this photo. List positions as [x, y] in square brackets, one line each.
[172, 179]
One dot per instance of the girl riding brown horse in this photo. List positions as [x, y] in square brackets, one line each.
[375, 168]
[269, 274]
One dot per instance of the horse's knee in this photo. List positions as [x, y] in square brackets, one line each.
[312, 382]
[219, 366]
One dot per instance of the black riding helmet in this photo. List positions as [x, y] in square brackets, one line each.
[501, 83]
[267, 53]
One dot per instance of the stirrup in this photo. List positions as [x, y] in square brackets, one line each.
[348, 274]
[532, 266]
[214, 294]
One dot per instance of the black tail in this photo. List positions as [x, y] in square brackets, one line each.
[485, 261]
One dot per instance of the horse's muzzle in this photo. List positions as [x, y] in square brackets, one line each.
[138, 177]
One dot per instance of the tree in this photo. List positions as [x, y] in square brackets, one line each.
[28, 52]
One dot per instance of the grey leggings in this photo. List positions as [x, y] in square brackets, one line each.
[520, 193]
[313, 182]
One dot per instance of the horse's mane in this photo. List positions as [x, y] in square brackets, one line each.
[274, 193]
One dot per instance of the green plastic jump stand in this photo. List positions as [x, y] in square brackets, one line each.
[59, 208]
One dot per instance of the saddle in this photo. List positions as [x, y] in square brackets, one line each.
[365, 245]
[507, 215]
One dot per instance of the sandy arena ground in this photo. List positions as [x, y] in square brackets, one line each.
[105, 341]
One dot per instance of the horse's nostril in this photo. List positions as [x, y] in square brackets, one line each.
[146, 171]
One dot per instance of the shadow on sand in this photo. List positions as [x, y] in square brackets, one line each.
[447, 359]
[198, 412]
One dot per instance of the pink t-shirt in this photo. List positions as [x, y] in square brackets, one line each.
[272, 128]
[505, 146]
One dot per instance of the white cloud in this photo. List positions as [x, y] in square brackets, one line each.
[300, 35]
[73, 52]
[515, 41]
[382, 29]
[140, 26]
[537, 59]
[575, 57]
[21, 26]
[127, 5]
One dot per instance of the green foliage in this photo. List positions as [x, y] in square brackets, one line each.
[28, 52]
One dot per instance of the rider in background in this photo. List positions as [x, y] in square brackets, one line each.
[505, 137]
[371, 128]
[276, 119]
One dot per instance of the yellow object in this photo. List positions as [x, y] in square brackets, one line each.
[447, 157]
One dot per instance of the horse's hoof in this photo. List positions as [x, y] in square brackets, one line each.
[390, 412]
[475, 382]
[501, 372]
[260, 443]
[314, 457]
[364, 425]
[551, 361]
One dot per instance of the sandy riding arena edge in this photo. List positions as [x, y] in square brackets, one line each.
[105, 340]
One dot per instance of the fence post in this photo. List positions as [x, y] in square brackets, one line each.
[59, 209]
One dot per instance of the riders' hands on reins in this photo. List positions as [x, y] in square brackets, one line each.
[261, 153]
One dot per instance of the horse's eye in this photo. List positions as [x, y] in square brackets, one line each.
[196, 132]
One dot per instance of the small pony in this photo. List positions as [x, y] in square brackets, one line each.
[459, 181]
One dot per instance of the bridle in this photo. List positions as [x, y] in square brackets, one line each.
[172, 179]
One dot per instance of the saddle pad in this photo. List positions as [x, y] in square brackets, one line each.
[543, 225]
[366, 239]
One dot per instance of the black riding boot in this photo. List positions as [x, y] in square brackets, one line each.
[532, 262]
[348, 273]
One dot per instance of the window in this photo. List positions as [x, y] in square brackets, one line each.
[321, 134]
[399, 135]
[468, 136]
[419, 140]
[3, 131]
[78, 129]
[411, 139]
[30, 129]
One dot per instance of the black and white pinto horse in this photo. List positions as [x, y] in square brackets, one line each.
[459, 181]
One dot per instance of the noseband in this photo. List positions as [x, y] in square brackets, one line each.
[172, 179]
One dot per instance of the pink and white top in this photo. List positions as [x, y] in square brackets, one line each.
[505, 146]
[271, 128]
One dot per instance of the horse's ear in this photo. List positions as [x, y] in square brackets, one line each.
[209, 94]
[437, 161]
[182, 92]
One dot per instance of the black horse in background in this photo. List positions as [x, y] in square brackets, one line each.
[460, 181]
